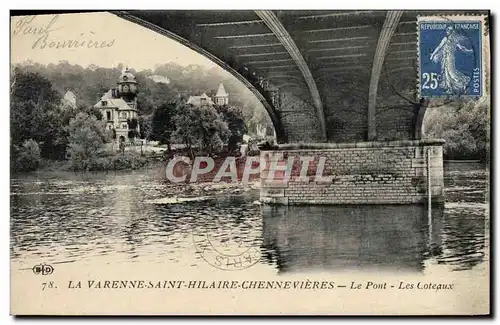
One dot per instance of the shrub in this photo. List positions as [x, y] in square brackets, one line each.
[117, 162]
[86, 138]
[101, 164]
[128, 161]
[254, 152]
[26, 157]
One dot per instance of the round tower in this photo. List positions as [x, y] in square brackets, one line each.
[127, 86]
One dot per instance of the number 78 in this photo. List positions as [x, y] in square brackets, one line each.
[430, 80]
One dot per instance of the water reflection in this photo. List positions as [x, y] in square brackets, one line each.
[383, 237]
[110, 217]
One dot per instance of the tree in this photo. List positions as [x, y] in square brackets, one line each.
[50, 132]
[21, 120]
[37, 90]
[36, 114]
[86, 138]
[33, 87]
[260, 118]
[132, 126]
[91, 110]
[145, 126]
[26, 157]
[201, 127]
[464, 126]
[90, 83]
[233, 116]
[163, 123]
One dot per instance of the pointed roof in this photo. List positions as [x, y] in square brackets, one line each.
[69, 98]
[204, 99]
[221, 91]
[69, 93]
[113, 102]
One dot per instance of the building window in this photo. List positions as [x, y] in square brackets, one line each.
[104, 103]
[124, 114]
[108, 115]
[124, 125]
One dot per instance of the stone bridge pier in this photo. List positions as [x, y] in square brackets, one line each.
[389, 172]
[339, 86]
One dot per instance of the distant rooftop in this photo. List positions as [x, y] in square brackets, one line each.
[112, 102]
[221, 91]
[204, 99]
[69, 98]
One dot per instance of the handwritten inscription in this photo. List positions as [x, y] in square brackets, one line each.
[44, 39]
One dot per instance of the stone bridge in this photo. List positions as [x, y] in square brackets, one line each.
[342, 84]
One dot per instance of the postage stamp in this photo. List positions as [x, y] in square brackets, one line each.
[450, 56]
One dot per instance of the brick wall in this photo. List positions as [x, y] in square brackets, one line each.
[396, 123]
[359, 173]
[346, 120]
[299, 119]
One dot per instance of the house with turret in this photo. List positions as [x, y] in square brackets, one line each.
[220, 98]
[119, 108]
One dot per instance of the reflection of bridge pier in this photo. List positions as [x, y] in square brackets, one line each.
[343, 238]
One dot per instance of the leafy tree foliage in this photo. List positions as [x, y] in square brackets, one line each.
[163, 123]
[145, 126]
[235, 120]
[132, 126]
[464, 126]
[36, 113]
[89, 84]
[26, 157]
[201, 127]
[86, 137]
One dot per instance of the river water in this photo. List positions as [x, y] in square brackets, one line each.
[121, 218]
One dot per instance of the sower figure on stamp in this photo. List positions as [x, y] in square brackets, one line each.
[452, 80]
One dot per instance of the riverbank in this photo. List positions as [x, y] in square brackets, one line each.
[130, 159]
[153, 168]
[117, 162]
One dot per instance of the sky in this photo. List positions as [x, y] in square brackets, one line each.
[122, 41]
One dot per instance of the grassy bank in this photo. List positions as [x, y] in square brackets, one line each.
[115, 162]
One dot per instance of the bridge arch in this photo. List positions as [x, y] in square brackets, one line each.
[309, 68]
[281, 136]
[351, 73]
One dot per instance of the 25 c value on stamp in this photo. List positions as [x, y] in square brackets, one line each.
[450, 56]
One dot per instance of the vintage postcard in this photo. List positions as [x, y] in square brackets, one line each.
[250, 162]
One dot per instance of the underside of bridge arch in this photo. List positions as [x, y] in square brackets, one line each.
[323, 76]
[338, 85]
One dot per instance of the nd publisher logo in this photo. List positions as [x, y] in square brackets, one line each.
[43, 269]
